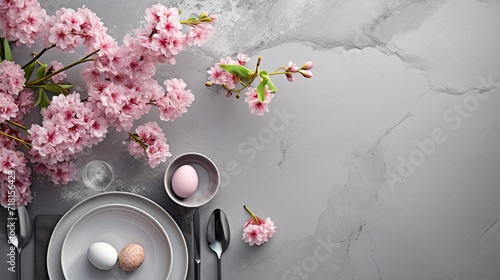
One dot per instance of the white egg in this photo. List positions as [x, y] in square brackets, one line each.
[185, 181]
[102, 255]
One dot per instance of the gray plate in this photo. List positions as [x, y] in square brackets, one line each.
[118, 225]
[178, 243]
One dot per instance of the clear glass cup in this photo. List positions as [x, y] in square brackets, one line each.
[98, 175]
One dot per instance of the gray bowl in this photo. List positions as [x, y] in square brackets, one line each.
[208, 179]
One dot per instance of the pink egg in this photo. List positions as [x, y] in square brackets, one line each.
[185, 181]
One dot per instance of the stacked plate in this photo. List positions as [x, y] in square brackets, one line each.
[119, 219]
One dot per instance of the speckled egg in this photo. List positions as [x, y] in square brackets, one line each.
[131, 257]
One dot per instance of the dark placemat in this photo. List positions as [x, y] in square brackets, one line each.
[44, 225]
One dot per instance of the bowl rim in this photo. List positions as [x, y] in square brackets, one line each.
[168, 187]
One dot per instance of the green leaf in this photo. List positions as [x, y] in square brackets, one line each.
[265, 77]
[263, 74]
[6, 50]
[45, 102]
[39, 99]
[54, 88]
[271, 85]
[64, 86]
[238, 70]
[261, 91]
[29, 70]
[42, 70]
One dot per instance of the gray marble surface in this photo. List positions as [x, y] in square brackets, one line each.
[383, 166]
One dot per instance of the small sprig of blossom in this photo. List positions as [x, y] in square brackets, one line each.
[14, 173]
[119, 79]
[229, 73]
[257, 231]
[150, 140]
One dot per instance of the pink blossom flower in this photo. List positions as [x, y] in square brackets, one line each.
[257, 231]
[257, 107]
[14, 178]
[157, 153]
[175, 101]
[8, 107]
[110, 57]
[11, 160]
[150, 140]
[166, 44]
[90, 73]
[69, 29]
[150, 133]
[138, 62]
[62, 173]
[91, 28]
[8, 142]
[162, 36]
[199, 34]
[254, 234]
[22, 21]
[220, 76]
[61, 35]
[24, 100]
[68, 127]
[54, 66]
[135, 149]
[11, 77]
[242, 58]
[98, 126]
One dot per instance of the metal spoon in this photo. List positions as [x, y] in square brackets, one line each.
[19, 231]
[218, 236]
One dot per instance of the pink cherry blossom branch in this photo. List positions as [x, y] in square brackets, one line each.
[138, 140]
[83, 60]
[37, 56]
[17, 125]
[25, 144]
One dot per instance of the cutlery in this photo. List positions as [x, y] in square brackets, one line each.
[196, 236]
[19, 231]
[218, 236]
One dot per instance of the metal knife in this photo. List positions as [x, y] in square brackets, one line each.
[196, 237]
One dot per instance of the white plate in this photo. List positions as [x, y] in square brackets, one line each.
[177, 241]
[118, 225]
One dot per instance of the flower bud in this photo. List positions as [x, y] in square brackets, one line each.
[229, 93]
[209, 84]
[292, 67]
[290, 77]
[307, 66]
[306, 73]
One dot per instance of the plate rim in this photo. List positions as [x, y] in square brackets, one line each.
[113, 194]
[132, 208]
